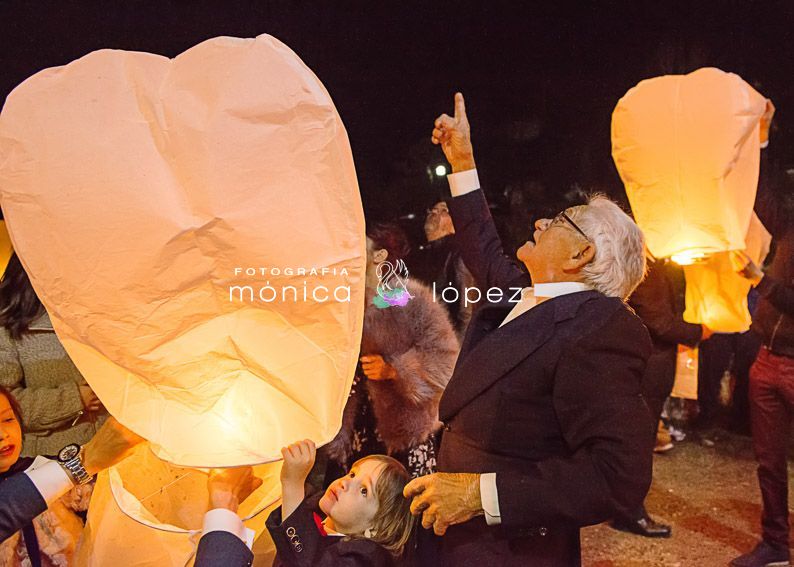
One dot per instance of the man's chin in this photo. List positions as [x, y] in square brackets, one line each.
[525, 251]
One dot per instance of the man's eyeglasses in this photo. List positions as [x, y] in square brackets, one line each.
[562, 218]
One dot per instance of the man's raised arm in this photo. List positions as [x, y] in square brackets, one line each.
[475, 232]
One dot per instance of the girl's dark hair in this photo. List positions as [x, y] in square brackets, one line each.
[390, 237]
[12, 401]
[19, 304]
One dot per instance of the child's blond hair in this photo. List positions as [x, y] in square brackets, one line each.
[393, 523]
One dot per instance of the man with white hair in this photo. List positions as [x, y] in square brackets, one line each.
[545, 429]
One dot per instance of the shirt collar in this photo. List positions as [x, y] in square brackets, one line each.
[556, 289]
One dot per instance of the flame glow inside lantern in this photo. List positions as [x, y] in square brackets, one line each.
[687, 150]
[688, 257]
[156, 205]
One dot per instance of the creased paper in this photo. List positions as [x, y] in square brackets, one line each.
[135, 189]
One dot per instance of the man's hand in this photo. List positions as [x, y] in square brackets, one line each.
[445, 499]
[298, 461]
[454, 136]
[89, 398]
[111, 444]
[375, 368]
[229, 487]
[705, 332]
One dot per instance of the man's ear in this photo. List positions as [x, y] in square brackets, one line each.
[583, 256]
[379, 256]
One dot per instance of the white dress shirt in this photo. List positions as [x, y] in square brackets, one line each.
[52, 482]
[462, 183]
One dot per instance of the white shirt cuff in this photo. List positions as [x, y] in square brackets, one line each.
[223, 520]
[50, 480]
[490, 499]
[463, 182]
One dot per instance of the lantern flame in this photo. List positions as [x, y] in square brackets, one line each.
[689, 257]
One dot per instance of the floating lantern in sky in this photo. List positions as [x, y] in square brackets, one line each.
[194, 228]
[687, 149]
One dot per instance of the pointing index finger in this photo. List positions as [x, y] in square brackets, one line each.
[460, 107]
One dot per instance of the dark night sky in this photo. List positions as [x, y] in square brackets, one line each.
[540, 80]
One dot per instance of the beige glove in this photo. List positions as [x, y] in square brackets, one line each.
[445, 499]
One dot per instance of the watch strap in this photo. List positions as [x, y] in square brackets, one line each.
[75, 469]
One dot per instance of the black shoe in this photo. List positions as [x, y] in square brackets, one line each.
[764, 555]
[644, 526]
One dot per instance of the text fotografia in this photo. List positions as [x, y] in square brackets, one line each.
[305, 291]
[302, 271]
[473, 295]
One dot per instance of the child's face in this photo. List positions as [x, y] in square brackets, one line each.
[10, 436]
[350, 501]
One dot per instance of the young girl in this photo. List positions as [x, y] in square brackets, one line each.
[51, 538]
[366, 519]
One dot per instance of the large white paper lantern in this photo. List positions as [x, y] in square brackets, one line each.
[194, 228]
[687, 150]
[140, 190]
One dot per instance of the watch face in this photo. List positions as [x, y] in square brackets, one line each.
[69, 452]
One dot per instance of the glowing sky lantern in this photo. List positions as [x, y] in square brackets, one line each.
[194, 228]
[687, 150]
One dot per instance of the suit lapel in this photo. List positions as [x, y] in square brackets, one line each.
[486, 319]
[485, 358]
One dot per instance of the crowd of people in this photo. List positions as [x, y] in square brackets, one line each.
[482, 433]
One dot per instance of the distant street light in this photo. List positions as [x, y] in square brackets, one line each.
[441, 170]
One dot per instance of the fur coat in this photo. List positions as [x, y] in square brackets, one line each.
[418, 340]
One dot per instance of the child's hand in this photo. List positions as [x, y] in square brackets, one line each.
[298, 461]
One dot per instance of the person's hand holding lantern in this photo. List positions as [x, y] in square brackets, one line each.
[745, 267]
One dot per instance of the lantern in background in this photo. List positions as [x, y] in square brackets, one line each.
[194, 228]
[716, 295]
[687, 149]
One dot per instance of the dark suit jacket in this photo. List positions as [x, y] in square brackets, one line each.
[299, 542]
[222, 549]
[659, 302]
[20, 502]
[551, 403]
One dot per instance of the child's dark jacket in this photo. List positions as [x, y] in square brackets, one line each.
[301, 541]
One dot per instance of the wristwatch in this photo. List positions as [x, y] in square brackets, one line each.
[70, 461]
